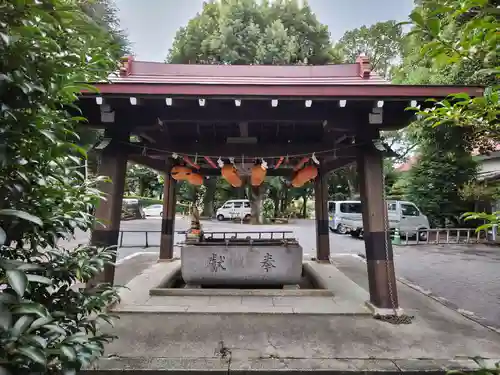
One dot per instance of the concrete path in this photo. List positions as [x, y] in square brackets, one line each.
[438, 339]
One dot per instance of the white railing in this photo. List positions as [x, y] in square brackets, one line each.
[436, 236]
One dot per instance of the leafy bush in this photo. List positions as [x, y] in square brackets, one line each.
[144, 201]
[47, 325]
[46, 322]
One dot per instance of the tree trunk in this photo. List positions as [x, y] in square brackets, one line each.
[304, 207]
[241, 192]
[208, 199]
[256, 193]
[284, 201]
[142, 188]
[351, 181]
[276, 202]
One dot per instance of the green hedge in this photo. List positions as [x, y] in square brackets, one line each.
[146, 201]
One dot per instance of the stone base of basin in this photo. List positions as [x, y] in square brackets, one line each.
[241, 264]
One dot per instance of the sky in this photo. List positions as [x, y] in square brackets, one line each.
[151, 24]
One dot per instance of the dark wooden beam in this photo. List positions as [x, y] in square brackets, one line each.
[148, 113]
[258, 150]
[338, 163]
[331, 158]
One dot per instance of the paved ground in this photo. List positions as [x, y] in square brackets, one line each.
[467, 276]
[291, 335]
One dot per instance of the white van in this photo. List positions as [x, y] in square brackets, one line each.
[234, 209]
[342, 212]
[402, 215]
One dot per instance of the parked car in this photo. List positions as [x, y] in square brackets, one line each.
[342, 211]
[153, 210]
[234, 209]
[402, 215]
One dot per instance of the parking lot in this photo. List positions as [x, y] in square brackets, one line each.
[468, 276]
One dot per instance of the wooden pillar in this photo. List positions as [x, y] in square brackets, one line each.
[113, 164]
[168, 217]
[321, 203]
[378, 246]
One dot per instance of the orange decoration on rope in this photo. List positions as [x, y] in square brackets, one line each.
[305, 175]
[301, 163]
[188, 161]
[258, 175]
[279, 162]
[180, 172]
[195, 179]
[230, 174]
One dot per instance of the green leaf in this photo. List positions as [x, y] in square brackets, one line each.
[68, 352]
[79, 337]
[54, 328]
[22, 324]
[84, 87]
[35, 340]
[5, 38]
[5, 319]
[461, 95]
[35, 354]
[39, 279]
[40, 322]
[417, 18]
[49, 135]
[22, 215]
[434, 26]
[31, 308]
[29, 267]
[7, 298]
[17, 280]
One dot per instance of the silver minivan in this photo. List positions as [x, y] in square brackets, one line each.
[342, 212]
[403, 215]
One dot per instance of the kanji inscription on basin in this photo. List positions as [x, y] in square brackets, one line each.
[216, 262]
[268, 262]
[241, 264]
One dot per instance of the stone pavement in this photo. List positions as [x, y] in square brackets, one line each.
[338, 295]
[438, 339]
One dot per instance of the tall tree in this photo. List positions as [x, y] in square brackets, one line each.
[451, 42]
[253, 32]
[457, 41]
[105, 14]
[444, 167]
[381, 42]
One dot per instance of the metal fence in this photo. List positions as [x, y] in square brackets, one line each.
[147, 238]
[443, 236]
[153, 240]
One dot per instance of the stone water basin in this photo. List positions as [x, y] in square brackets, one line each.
[242, 261]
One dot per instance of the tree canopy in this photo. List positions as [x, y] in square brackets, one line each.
[451, 42]
[248, 32]
[381, 42]
[253, 32]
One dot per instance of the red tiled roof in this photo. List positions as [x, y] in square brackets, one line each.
[407, 166]
[342, 74]
[341, 81]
